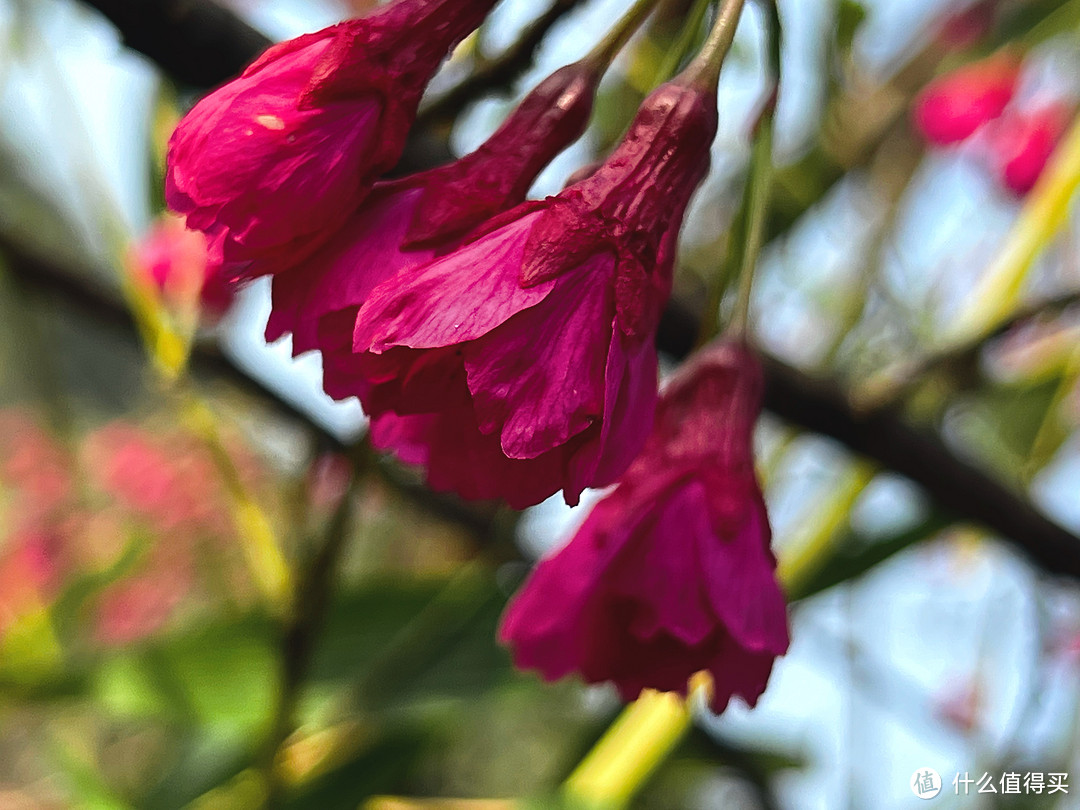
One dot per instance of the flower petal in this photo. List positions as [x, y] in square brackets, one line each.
[740, 572]
[455, 298]
[539, 378]
[364, 252]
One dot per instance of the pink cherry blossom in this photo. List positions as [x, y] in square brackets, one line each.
[176, 261]
[671, 573]
[275, 160]
[538, 331]
[1020, 143]
[953, 106]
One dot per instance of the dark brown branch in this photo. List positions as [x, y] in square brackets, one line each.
[881, 435]
[208, 363]
[955, 484]
[197, 42]
[202, 44]
[499, 73]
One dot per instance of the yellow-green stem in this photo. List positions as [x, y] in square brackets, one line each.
[607, 49]
[687, 37]
[749, 229]
[1043, 214]
[760, 183]
[704, 71]
[639, 739]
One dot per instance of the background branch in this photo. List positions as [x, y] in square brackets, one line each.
[197, 42]
[880, 434]
[499, 73]
[163, 29]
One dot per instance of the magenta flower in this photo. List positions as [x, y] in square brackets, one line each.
[1020, 143]
[952, 107]
[671, 573]
[539, 331]
[405, 223]
[273, 161]
[176, 261]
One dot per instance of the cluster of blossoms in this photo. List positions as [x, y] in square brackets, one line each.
[63, 525]
[979, 105]
[505, 345]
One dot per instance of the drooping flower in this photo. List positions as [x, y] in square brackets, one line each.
[404, 223]
[537, 334]
[272, 161]
[671, 573]
[1021, 142]
[176, 261]
[953, 106]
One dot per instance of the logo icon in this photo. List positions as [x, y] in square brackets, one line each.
[926, 783]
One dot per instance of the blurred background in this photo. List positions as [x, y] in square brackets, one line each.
[212, 596]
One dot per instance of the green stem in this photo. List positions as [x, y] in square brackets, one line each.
[758, 191]
[704, 71]
[749, 228]
[607, 49]
[687, 37]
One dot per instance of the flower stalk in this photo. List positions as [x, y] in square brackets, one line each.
[749, 229]
[687, 38]
[704, 71]
[607, 49]
[639, 740]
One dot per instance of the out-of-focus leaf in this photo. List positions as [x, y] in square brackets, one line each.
[202, 763]
[245, 791]
[69, 606]
[1036, 21]
[849, 16]
[851, 557]
[220, 677]
[228, 673]
[1003, 423]
[397, 639]
[447, 648]
[375, 768]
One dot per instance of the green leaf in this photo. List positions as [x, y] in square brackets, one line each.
[852, 556]
[849, 17]
[377, 768]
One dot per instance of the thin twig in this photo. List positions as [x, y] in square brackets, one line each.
[197, 42]
[815, 405]
[501, 72]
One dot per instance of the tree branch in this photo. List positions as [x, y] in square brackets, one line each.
[500, 72]
[814, 405]
[197, 42]
[881, 434]
[207, 362]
